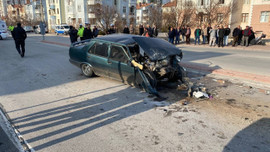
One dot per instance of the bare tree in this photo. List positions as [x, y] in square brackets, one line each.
[105, 15]
[180, 14]
[214, 12]
[155, 16]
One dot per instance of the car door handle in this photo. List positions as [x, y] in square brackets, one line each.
[109, 62]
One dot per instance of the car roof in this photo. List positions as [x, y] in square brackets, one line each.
[119, 38]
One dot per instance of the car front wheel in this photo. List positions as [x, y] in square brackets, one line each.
[87, 70]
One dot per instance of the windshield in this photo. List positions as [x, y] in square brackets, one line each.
[66, 27]
[155, 48]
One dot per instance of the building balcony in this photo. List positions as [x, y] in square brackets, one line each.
[37, 11]
[52, 6]
[93, 2]
[91, 15]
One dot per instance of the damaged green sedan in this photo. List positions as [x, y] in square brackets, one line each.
[135, 60]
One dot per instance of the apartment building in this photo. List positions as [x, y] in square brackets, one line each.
[56, 13]
[253, 13]
[3, 9]
[143, 13]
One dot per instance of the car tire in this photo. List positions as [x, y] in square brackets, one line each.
[87, 70]
[151, 78]
[1, 37]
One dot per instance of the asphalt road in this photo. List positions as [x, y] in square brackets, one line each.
[55, 108]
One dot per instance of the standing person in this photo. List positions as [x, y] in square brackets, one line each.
[95, 31]
[197, 34]
[19, 35]
[246, 33]
[146, 32]
[149, 30]
[73, 34]
[177, 35]
[221, 34]
[217, 34]
[171, 35]
[126, 30]
[236, 32]
[87, 33]
[80, 32]
[208, 34]
[205, 34]
[252, 35]
[155, 31]
[183, 33]
[226, 35]
[240, 36]
[188, 32]
[213, 33]
[111, 29]
[131, 29]
[141, 29]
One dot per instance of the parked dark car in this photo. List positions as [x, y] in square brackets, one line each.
[132, 59]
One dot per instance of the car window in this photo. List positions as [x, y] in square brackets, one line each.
[99, 48]
[117, 54]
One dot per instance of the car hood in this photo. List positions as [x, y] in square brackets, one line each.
[156, 49]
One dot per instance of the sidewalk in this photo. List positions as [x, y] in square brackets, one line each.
[239, 47]
[9, 141]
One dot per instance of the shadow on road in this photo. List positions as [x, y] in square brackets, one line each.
[255, 137]
[78, 118]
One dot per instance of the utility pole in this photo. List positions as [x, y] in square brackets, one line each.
[42, 23]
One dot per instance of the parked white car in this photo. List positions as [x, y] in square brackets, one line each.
[3, 30]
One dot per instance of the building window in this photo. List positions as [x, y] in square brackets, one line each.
[246, 1]
[79, 8]
[58, 21]
[115, 2]
[57, 10]
[221, 1]
[219, 17]
[264, 17]
[124, 9]
[244, 17]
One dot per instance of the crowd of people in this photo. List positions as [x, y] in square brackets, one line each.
[218, 35]
[86, 33]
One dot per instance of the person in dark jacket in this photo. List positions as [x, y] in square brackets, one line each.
[187, 33]
[221, 34]
[149, 30]
[236, 32]
[87, 33]
[95, 31]
[126, 30]
[197, 34]
[155, 31]
[19, 36]
[141, 29]
[111, 30]
[73, 34]
[171, 35]
[252, 35]
[226, 35]
[246, 33]
[240, 36]
[183, 33]
[177, 35]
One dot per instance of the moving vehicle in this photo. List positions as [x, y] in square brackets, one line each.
[3, 30]
[132, 59]
[61, 29]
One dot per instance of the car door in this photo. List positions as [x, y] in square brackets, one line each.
[119, 68]
[97, 56]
